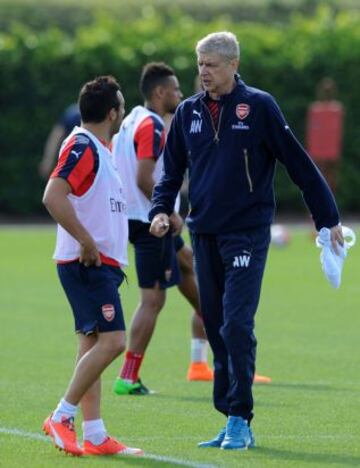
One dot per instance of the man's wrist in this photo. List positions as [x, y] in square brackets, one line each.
[86, 240]
[155, 212]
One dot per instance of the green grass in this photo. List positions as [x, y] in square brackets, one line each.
[308, 337]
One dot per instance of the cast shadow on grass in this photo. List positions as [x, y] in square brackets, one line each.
[301, 457]
[190, 398]
[196, 399]
[309, 387]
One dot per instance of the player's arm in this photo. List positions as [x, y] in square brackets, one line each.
[51, 149]
[146, 184]
[144, 176]
[149, 140]
[58, 205]
[74, 173]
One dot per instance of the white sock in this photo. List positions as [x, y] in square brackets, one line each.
[94, 431]
[64, 410]
[129, 381]
[199, 350]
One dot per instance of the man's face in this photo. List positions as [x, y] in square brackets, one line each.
[172, 94]
[216, 71]
[120, 112]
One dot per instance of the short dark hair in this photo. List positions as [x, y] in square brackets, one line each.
[97, 98]
[154, 74]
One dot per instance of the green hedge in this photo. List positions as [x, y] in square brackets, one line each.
[67, 15]
[41, 73]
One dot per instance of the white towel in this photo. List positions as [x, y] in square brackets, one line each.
[331, 262]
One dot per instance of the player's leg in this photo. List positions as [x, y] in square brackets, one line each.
[110, 342]
[141, 331]
[90, 402]
[98, 310]
[60, 424]
[96, 438]
[145, 317]
[157, 269]
[90, 366]
[93, 295]
[198, 368]
[197, 327]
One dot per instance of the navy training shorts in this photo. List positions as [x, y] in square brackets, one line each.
[155, 258]
[93, 295]
[178, 243]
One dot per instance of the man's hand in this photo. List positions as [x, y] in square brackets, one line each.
[160, 225]
[176, 223]
[336, 236]
[89, 254]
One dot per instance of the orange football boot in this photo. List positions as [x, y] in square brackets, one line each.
[110, 446]
[200, 371]
[63, 435]
[261, 379]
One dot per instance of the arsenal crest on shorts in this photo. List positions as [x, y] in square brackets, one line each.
[108, 312]
[242, 111]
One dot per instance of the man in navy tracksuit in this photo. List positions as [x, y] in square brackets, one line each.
[229, 137]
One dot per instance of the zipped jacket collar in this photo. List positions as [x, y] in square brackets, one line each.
[225, 97]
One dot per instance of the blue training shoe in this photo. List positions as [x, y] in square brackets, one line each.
[252, 439]
[238, 434]
[215, 442]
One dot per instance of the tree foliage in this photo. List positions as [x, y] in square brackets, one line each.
[41, 73]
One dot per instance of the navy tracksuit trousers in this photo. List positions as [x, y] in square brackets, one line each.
[230, 268]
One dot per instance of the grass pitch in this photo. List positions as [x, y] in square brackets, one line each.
[308, 342]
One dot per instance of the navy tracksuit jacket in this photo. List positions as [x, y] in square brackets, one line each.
[231, 173]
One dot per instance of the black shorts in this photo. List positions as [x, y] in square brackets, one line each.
[93, 295]
[155, 258]
[178, 243]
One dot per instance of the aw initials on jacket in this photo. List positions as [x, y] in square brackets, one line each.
[241, 261]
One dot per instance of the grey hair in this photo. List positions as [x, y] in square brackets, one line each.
[223, 43]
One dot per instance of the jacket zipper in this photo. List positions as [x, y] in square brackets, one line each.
[247, 170]
[216, 130]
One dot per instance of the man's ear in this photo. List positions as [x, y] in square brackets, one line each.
[158, 91]
[112, 115]
[235, 64]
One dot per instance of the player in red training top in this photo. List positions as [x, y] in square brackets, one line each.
[85, 197]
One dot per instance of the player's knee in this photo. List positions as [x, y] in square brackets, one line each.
[153, 307]
[113, 346]
[153, 303]
[185, 261]
[119, 348]
[114, 349]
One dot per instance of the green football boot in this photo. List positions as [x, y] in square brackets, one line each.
[124, 388]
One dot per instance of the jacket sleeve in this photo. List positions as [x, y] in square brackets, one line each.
[285, 147]
[175, 162]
